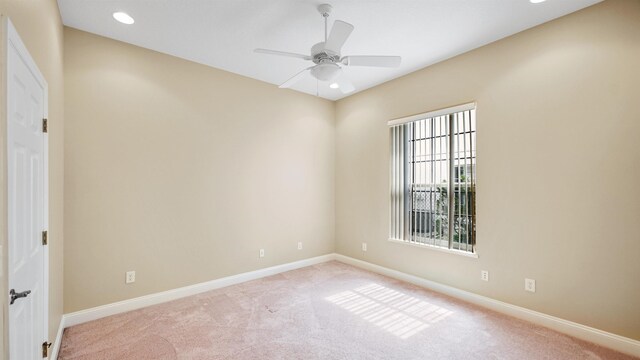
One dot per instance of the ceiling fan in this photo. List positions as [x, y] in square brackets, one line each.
[327, 58]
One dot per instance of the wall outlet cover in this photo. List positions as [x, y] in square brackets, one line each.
[484, 275]
[261, 253]
[530, 285]
[364, 246]
[130, 277]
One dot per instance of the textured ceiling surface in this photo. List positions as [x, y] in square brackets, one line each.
[223, 33]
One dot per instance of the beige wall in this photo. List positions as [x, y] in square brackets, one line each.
[558, 166]
[40, 27]
[182, 172]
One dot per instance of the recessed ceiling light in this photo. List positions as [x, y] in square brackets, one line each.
[123, 17]
[536, 1]
[334, 86]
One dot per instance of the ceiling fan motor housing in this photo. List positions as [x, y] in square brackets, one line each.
[321, 55]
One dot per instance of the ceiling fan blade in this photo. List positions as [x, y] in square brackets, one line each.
[282, 53]
[372, 60]
[344, 83]
[339, 34]
[295, 78]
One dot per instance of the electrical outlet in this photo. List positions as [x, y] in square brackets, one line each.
[261, 253]
[484, 275]
[530, 285]
[364, 246]
[130, 277]
[299, 245]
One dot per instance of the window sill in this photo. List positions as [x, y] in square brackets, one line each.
[436, 248]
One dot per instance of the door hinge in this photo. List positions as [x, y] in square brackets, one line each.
[45, 238]
[44, 125]
[45, 349]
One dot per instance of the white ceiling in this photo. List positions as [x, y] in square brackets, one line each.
[223, 33]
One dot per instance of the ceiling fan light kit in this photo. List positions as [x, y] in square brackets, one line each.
[325, 72]
[327, 58]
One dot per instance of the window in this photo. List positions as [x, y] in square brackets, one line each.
[433, 179]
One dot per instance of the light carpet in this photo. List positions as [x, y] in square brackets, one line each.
[326, 311]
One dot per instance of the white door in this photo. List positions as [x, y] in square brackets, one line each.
[26, 178]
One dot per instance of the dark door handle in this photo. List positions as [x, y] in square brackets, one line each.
[15, 296]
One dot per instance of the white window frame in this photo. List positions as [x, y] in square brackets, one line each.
[400, 194]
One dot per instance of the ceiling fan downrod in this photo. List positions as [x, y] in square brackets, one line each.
[325, 11]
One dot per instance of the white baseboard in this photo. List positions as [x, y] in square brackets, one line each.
[55, 349]
[603, 338]
[98, 312]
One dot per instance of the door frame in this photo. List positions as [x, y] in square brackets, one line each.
[11, 38]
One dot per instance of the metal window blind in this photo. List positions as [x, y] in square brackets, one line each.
[433, 178]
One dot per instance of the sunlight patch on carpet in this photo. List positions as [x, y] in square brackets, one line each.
[398, 313]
